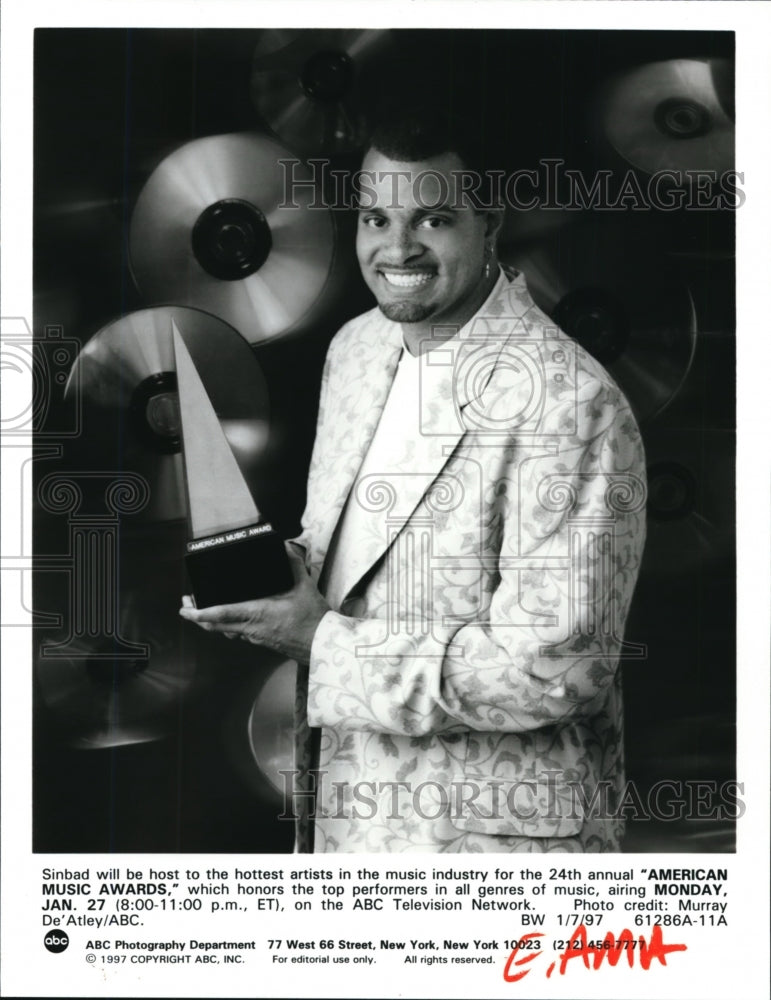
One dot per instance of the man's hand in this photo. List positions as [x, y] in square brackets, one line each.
[285, 622]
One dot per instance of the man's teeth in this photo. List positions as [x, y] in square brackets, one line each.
[407, 280]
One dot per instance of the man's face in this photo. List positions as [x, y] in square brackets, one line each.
[420, 251]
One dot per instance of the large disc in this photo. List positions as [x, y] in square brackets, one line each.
[126, 375]
[670, 116]
[625, 308]
[306, 86]
[100, 700]
[224, 225]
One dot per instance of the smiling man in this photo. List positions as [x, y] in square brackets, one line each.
[424, 252]
[470, 545]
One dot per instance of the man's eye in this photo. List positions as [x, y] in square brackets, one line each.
[373, 221]
[432, 222]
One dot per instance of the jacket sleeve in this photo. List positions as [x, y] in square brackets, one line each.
[547, 647]
[318, 458]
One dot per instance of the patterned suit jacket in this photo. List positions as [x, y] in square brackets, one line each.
[467, 687]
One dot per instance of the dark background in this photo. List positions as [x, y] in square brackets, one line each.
[109, 106]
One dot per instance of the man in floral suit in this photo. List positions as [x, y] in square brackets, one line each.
[471, 542]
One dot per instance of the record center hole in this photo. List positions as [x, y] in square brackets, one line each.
[231, 239]
[154, 413]
[163, 414]
[327, 76]
[682, 118]
[672, 491]
[597, 320]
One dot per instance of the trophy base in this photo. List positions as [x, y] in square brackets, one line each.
[238, 565]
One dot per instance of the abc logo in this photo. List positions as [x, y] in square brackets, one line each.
[56, 941]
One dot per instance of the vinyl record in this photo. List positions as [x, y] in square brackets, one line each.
[259, 729]
[669, 116]
[127, 379]
[626, 309]
[222, 225]
[97, 700]
[271, 726]
[691, 510]
[305, 86]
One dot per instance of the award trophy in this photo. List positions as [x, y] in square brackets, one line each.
[233, 555]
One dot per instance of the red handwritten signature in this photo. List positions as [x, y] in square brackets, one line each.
[593, 955]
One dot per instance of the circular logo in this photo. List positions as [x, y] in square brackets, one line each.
[56, 941]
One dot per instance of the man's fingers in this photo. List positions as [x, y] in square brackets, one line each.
[221, 614]
[297, 562]
[223, 627]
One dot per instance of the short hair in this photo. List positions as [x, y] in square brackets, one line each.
[421, 133]
[418, 134]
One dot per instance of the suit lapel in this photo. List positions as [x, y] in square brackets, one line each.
[360, 394]
[454, 377]
[387, 497]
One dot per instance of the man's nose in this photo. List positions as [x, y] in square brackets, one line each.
[401, 243]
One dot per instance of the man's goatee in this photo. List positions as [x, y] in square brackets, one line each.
[405, 312]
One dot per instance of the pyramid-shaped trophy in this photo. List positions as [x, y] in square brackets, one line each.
[233, 555]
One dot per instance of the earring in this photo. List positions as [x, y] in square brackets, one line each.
[488, 255]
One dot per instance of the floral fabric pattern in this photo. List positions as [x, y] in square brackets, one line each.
[467, 687]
